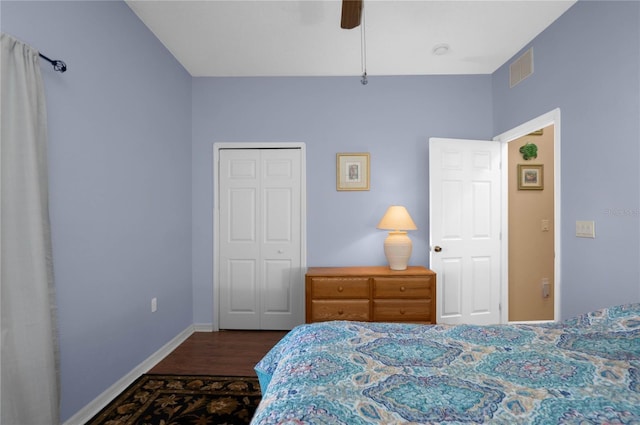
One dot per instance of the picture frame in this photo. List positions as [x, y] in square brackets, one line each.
[352, 171]
[530, 177]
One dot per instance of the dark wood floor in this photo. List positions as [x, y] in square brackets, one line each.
[227, 353]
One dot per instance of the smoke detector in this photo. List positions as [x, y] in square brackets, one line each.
[440, 49]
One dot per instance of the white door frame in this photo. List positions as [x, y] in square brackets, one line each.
[215, 324]
[550, 118]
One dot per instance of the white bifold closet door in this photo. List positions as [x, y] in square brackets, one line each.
[261, 283]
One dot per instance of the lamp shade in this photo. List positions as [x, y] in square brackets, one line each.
[397, 218]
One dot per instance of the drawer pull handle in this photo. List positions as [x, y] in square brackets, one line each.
[402, 289]
[340, 312]
[340, 289]
[402, 311]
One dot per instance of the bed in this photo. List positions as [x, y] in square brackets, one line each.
[581, 371]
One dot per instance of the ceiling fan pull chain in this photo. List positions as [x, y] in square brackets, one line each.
[363, 48]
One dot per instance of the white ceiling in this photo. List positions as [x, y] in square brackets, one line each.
[304, 38]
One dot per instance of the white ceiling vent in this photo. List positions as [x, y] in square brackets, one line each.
[521, 68]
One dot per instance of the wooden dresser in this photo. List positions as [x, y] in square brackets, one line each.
[370, 294]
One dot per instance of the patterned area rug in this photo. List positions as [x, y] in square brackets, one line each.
[176, 399]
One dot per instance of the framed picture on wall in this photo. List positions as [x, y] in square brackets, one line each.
[530, 177]
[352, 171]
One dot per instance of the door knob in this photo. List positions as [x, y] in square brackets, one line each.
[437, 249]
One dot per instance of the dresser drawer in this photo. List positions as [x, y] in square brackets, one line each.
[391, 287]
[323, 310]
[402, 310]
[339, 287]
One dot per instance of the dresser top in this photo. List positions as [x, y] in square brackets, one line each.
[368, 271]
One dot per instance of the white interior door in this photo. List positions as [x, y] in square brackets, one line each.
[464, 199]
[260, 271]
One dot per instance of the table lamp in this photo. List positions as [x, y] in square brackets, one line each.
[397, 246]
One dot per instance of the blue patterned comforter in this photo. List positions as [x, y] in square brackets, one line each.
[582, 371]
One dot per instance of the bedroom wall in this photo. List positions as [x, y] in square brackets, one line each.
[392, 118]
[120, 177]
[588, 64]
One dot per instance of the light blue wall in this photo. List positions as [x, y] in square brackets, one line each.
[120, 176]
[392, 118]
[588, 64]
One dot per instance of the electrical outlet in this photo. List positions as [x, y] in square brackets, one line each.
[154, 304]
[546, 288]
[586, 229]
[544, 225]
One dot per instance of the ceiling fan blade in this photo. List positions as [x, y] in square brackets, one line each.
[351, 14]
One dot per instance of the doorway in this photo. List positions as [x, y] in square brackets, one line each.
[550, 121]
[461, 298]
[531, 226]
[259, 235]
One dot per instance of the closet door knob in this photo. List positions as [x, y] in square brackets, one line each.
[437, 249]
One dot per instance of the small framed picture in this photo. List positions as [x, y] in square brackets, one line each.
[530, 177]
[352, 171]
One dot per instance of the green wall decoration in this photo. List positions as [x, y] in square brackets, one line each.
[529, 151]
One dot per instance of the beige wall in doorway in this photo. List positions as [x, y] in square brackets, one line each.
[531, 249]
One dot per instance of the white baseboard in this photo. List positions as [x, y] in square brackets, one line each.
[91, 409]
[204, 327]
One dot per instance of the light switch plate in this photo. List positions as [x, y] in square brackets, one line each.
[586, 229]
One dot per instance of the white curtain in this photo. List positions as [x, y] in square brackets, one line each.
[27, 308]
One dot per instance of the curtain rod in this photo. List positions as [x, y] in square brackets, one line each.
[58, 65]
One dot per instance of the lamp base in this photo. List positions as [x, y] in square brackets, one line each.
[397, 249]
